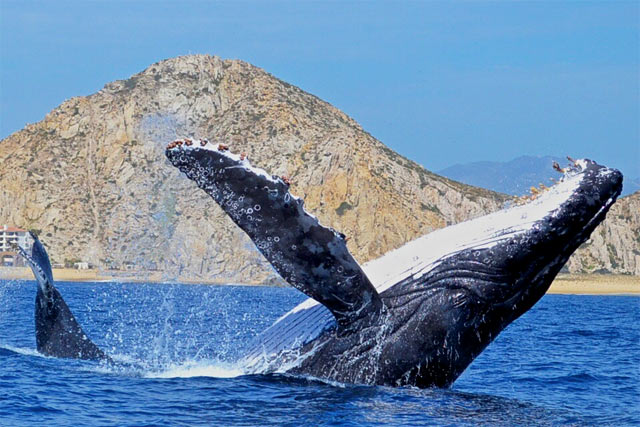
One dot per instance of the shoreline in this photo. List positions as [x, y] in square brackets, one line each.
[567, 284]
[94, 275]
[595, 284]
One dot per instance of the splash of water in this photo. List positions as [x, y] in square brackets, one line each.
[23, 350]
[202, 368]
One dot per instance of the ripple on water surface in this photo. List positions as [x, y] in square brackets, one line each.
[570, 360]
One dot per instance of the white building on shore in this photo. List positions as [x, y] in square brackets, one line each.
[9, 236]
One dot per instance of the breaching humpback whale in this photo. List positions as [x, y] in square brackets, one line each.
[418, 315]
[58, 334]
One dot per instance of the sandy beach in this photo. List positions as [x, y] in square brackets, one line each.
[93, 275]
[596, 284]
[61, 274]
[580, 284]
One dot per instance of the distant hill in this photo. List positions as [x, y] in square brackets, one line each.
[516, 176]
[92, 176]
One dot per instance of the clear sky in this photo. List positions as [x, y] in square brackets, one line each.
[441, 83]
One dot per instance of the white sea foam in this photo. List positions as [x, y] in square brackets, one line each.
[215, 369]
[23, 350]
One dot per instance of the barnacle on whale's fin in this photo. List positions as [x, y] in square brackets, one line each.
[311, 257]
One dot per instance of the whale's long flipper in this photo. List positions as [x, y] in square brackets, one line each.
[311, 257]
[58, 333]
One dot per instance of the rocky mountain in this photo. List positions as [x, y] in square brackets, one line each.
[515, 177]
[93, 178]
[614, 247]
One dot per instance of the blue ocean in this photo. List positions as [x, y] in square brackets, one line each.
[571, 360]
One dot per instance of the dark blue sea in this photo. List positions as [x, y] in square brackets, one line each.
[571, 360]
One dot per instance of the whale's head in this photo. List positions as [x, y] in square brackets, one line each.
[469, 281]
[528, 245]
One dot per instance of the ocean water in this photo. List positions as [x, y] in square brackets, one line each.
[571, 360]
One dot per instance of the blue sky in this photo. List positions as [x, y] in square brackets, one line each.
[439, 82]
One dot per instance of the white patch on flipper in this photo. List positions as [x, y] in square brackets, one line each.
[245, 163]
[214, 147]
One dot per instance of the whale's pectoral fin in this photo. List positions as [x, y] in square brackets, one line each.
[311, 257]
[58, 333]
[38, 260]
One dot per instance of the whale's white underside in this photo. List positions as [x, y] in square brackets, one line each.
[309, 319]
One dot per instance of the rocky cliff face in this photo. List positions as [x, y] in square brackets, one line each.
[92, 175]
[93, 178]
[614, 247]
